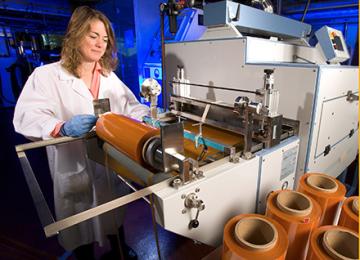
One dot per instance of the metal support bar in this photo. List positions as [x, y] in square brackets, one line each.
[38, 144]
[131, 187]
[54, 228]
[46, 218]
[40, 203]
[41, 206]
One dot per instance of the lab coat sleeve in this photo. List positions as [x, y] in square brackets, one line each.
[36, 107]
[130, 106]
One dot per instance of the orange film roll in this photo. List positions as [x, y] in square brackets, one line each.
[298, 214]
[326, 190]
[349, 216]
[125, 134]
[254, 237]
[333, 242]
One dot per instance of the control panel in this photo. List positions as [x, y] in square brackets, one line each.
[332, 44]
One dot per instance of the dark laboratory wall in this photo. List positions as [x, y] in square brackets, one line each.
[30, 35]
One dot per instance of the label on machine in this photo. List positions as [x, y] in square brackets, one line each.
[288, 164]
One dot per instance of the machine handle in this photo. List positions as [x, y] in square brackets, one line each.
[194, 223]
[192, 201]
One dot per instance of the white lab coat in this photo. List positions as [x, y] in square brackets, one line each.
[52, 95]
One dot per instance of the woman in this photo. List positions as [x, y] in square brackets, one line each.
[57, 100]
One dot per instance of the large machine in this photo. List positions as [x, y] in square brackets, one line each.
[252, 106]
[241, 42]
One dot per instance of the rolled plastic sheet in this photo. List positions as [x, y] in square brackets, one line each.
[254, 237]
[125, 134]
[349, 216]
[327, 191]
[299, 214]
[333, 242]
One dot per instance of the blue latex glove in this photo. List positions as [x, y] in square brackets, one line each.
[78, 125]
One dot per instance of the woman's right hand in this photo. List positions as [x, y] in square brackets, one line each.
[78, 125]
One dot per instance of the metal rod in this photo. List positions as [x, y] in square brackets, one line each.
[54, 228]
[163, 77]
[216, 87]
[38, 144]
[131, 186]
[305, 10]
[279, 5]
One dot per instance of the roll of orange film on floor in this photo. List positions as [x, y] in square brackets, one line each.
[326, 190]
[349, 216]
[254, 237]
[125, 134]
[298, 214]
[333, 242]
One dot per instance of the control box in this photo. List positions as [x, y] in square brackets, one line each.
[332, 44]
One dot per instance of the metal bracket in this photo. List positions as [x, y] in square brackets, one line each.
[172, 145]
[172, 140]
[350, 96]
[233, 157]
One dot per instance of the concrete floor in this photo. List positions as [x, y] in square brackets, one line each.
[21, 234]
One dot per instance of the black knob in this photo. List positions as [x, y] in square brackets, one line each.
[194, 223]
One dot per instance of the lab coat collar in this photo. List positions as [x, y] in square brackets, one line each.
[77, 84]
[64, 74]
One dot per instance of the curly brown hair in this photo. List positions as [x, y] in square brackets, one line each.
[78, 27]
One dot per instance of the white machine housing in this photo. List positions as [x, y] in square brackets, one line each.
[322, 97]
[228, 189]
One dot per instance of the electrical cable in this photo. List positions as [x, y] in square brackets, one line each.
[305, 10]
[204, 150]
